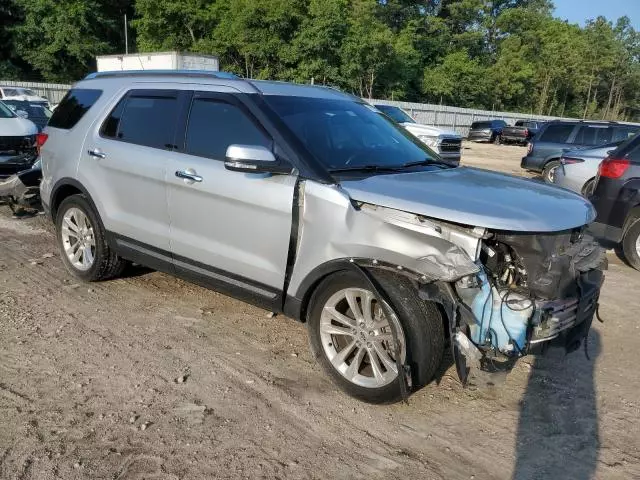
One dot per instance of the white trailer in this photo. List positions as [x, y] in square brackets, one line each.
[157, 61]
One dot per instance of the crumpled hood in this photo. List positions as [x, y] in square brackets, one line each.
[419, 129]
[17, 126]
[476, 197]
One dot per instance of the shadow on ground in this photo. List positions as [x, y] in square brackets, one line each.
[558, 426]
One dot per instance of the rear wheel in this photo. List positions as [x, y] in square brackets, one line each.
[549, 172]
[82, 241]
[631, 245]
[351, 336]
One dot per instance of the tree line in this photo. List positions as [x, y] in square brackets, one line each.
[493, 54]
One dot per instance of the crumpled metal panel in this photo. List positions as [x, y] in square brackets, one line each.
[332, 228]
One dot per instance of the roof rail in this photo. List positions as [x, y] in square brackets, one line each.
[180, 73]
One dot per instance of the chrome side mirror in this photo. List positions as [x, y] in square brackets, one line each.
[254, 159]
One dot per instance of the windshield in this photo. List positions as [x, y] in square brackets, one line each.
[344, 134]
[396, 113]
[26, 91]
[5, 112]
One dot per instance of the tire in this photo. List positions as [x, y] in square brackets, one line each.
[631, 244]
[548, 173]
[421, 331]
[497, 139]
[105, 264]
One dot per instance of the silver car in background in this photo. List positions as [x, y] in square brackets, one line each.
[578, 168]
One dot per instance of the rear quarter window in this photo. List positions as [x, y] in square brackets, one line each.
[73, 107]
[557, 133]
[144, 117]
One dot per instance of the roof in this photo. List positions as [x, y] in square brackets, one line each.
[265, 87]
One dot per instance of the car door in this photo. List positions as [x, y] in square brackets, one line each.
[230, 230]
[123, 165]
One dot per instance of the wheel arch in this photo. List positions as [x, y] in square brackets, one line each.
[297, 305]
[64, 188]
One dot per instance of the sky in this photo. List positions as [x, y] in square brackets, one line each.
[578, 11]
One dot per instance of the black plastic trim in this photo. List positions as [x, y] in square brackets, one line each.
[216, 279]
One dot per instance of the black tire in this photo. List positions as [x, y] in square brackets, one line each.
[106, 263]
[631, 245]
[497, 139]
[421, 322]
[549, 170]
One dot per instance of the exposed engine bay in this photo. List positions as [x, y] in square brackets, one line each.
[532, 289]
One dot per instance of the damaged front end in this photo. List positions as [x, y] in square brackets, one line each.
[532, 289]
[22, 190]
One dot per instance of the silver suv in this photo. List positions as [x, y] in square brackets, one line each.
[307, 201]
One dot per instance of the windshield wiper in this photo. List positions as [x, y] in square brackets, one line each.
[426, 161]
[367, 168]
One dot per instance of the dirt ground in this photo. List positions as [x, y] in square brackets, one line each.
[151, 377]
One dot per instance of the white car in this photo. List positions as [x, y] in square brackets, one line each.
[17, 142]
[446, 143]
[19, 93]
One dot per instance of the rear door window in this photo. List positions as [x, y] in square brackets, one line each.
[73, 106]
[144, 117]
[557, 133]
[630, 149]
[215, 124]
[593, 135]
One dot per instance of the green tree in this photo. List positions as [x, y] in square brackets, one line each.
[458, 80]
[60, 38]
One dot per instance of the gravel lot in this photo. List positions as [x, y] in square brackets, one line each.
[151, 377]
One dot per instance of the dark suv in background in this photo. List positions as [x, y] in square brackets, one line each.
[617, 200]
[546, 148]
[486, 131]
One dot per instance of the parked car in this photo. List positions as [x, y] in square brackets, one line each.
[578, 168]
[305, 200]
[546, 148]
[37, 113]
[17, 142]
[19, 93]
[486, 131]
[446, 143]
[617, 200]
[521, 132]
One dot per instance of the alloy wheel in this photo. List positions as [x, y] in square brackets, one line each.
[357, 338]
[78, 239]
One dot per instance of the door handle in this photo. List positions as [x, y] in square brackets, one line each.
[189, 174]
[96, 152]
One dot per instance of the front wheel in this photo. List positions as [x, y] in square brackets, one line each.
[549, 172]
[82, 241]
[351, 336]
[631, 245]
